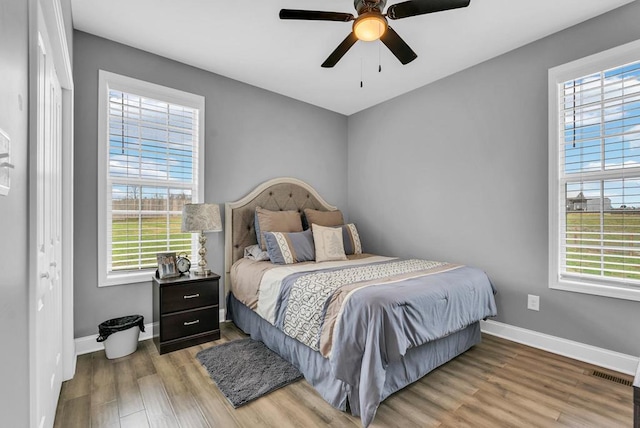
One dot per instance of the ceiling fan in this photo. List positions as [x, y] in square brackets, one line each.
[371, 24]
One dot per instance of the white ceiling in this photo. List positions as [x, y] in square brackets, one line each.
[245, 40]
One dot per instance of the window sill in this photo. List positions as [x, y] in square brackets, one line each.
[613, 291]
[126, 278]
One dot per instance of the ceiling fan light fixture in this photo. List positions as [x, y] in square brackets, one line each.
[369, 26]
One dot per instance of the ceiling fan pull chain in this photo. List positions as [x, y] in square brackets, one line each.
[361, 85]
[379, 60]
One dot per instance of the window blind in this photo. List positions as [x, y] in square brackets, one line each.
[600, 176]
[151, 174]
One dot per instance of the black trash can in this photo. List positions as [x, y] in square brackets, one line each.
[120, 335]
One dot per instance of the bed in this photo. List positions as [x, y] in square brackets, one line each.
[358, 329]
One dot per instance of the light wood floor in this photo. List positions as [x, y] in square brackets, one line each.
[495, 384]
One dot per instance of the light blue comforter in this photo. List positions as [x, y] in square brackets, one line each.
[379, 323]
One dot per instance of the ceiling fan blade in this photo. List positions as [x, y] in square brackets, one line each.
[314, 15]
[397, 46]
[340, 51]
[420, 7]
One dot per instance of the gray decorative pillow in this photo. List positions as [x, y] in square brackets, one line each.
[275, 221]
[286, 248]
[351, 239]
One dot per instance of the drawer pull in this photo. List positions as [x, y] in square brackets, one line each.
[191, 322]
[191, 296]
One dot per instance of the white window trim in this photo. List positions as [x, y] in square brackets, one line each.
[611, 58]
[108, 81]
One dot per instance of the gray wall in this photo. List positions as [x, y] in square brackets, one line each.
[14, 216]
[460, 163]
[458, 172]
[251, 135]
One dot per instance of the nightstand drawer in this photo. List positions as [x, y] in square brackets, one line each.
[188, 296]
[187, 323]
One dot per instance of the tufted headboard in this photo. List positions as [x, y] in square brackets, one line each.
[278, 194]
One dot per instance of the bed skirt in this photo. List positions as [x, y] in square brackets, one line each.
[316, 369]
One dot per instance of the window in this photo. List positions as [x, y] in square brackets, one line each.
[151, 156]
[594, 185]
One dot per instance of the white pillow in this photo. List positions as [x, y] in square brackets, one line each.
[254, 252]
[328, 242]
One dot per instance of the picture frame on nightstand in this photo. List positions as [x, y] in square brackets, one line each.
[167, 267]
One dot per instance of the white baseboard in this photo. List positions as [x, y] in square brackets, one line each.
[578, 351]
[619, 362]
[88, 344]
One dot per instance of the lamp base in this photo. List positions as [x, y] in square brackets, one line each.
[203, 272]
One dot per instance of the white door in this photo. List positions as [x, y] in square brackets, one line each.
[47, 352]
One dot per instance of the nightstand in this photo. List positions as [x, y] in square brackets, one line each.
[185, 311]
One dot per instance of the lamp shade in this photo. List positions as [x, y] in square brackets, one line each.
[201, 218]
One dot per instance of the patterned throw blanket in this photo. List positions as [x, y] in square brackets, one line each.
[313, 300]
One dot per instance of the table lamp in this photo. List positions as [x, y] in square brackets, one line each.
[201, 218]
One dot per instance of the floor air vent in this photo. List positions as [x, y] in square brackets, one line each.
[611, 378]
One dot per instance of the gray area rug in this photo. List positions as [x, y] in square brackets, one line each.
[246, 369]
